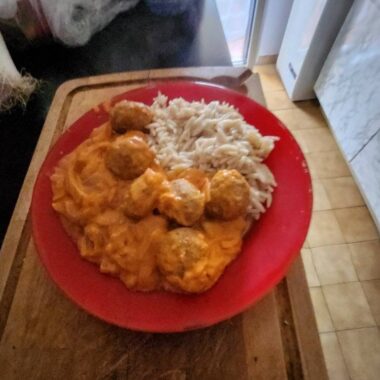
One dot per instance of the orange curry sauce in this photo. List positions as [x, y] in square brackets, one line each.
[92, 203]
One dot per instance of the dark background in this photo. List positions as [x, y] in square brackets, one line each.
[135, 40]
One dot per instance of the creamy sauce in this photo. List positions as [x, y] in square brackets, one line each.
[91, 203]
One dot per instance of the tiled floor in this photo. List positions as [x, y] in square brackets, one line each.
[342, 251]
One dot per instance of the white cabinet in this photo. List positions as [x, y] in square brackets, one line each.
[311, 30]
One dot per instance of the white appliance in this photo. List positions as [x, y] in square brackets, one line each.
[311, 30]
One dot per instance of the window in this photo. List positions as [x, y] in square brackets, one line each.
[237, 19]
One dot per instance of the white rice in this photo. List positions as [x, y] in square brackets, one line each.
[210, 137]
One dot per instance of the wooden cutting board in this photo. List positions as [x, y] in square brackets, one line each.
[44, 336]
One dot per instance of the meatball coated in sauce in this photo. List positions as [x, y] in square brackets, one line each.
[127, 115]
[142, 196]
[183, 202]
[229, 195]
[129, 156]
[183, 259]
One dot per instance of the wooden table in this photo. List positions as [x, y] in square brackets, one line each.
[44, 336]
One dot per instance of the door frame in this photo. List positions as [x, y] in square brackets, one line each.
[252, 45]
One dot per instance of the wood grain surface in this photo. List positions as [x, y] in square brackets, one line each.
[45, 336]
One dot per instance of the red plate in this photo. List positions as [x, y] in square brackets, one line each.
[269, 248]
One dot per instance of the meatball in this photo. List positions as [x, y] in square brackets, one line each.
[183, 259]
[183, 202]
[128, 157]
[229, 195]
[142, 197]
[127, 115]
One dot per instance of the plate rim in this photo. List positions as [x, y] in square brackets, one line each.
[223, 316]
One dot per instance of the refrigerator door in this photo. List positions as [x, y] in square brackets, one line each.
[311, 30]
